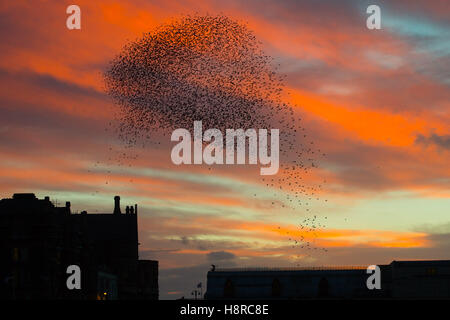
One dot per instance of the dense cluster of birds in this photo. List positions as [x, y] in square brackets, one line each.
[210, 68]
[207, 68]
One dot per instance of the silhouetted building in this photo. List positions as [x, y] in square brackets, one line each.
[148, 279]
[400, 279]
[39, 240]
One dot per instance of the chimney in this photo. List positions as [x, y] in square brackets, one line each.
[135, 209]
[117, 205]
[68, 204]
[127, 210]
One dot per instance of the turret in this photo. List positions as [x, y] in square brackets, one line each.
[117, 205]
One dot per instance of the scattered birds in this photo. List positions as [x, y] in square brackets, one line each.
[213, 69]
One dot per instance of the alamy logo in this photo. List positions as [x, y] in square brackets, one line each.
[374, 20]
[374, 281]
[74, 20]
[74, 280]
[235, 139]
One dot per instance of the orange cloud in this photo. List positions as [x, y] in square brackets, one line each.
[262, 232]
[368, 125]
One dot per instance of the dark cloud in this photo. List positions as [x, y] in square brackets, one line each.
[16, 113]
[184, 240]
[175, 283]
[443, 228]
[344, 11]
[150, 252]
[220, 255]
[180, 282]
[434, 139]
[48, 82]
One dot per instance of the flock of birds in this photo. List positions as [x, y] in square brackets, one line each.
[212, 68]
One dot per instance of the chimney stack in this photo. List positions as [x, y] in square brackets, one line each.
[117, 205]
[135, 208]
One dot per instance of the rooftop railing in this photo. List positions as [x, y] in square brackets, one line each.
[318, 268]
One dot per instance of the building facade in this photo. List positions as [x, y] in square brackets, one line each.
[39, 240]
[399, 280]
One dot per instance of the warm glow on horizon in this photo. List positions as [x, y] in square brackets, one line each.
[374, 106]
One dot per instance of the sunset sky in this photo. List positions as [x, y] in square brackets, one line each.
[377, 102]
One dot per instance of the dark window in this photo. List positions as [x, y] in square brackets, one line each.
[431, 271]
[228, 291]
[276, 288]
[323, 288]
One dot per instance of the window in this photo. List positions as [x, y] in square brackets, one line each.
[276, 288]
[228, 291]
[323, 288]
